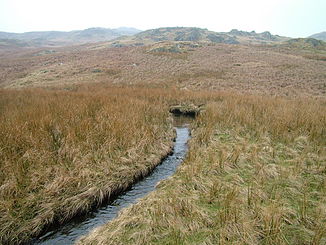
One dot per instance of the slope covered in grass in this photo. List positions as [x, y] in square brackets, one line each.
[275, 70]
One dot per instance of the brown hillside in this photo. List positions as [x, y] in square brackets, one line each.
[186, 65]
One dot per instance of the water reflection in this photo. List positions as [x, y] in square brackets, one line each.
[182, 121]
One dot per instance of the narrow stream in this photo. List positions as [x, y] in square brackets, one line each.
[70, 232]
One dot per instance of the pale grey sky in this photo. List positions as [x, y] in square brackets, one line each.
[294, 18]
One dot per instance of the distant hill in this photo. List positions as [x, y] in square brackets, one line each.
[319, 36]
[194, 34]
[253, 37]
[59, 38]
[307, 47]
[306, 43]
[13, 43]
[184, 34]
[125, 36]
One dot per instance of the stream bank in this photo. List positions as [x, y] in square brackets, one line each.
[70, 232]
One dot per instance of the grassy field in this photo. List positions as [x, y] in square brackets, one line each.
[63, 152]
[255, 174]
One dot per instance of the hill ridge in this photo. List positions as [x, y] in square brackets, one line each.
[61, 38]
[319, 36]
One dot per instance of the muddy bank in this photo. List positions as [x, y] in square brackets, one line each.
[187, 110]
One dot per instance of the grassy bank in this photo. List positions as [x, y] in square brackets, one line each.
[255, 174]
[62, 152]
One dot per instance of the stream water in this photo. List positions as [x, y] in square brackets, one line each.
[70, 232]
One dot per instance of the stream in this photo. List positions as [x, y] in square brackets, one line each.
[70, 232]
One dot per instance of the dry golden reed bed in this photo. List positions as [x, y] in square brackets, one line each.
[255, 174]
[63, 152]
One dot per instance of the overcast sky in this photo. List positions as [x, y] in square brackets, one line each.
[294, 18]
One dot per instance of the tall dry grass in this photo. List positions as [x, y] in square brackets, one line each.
[255, 174]
[62, 152]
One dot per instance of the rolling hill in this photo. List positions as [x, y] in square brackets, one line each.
[304, 43]
[319, 36]
[194, 34]
[59, 38]
[125, 36]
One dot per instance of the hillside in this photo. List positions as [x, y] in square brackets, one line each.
[283, 70]
[307, 47]
[307, 43]
[253, 37]
[125, 36]
[58, 38]
[319, 36]
[193, 34]
[13, 43]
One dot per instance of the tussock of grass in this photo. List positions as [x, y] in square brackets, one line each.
[255, 174]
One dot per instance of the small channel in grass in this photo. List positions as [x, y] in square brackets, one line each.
[70, 232]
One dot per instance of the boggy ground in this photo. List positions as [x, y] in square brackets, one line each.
[255, 174]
